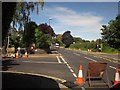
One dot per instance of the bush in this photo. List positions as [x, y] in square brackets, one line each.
[109, 50]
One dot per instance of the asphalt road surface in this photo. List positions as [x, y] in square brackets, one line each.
[63, 67]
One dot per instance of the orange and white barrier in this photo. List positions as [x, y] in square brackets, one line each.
[26, 54]
[17, 56]
[117, 77]
[80, 79]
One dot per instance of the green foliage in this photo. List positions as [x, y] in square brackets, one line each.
[107, 49]
[85, 44]
[58, 39]
[111, 33]
[29, 33]
[15, 38]
[23, 10]
[18, 12]
[77, 39]
[42, 40]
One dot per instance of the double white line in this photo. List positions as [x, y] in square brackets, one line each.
[60, 57]
[69, 67]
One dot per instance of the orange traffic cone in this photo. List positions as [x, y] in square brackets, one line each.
[80, 79]
[117, 77]
[17, 56]
[26, 54]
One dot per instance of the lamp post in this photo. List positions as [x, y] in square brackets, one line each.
[49, 20]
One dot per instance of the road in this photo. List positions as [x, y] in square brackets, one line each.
[63, 67]
[75, 59]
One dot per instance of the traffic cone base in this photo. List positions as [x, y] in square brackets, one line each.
[116, 82]
[17, 57]
[80, 81]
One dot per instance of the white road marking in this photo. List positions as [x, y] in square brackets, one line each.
[54, 51]
[43, 62]
[74, 75]
[71, 70]
[83, 88]
[58, 59]
[68, 67]
[112, 67]
[76, 54]
[90, 59]
[63, 59]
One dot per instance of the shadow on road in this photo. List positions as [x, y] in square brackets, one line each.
[14, 80]
[8, 63]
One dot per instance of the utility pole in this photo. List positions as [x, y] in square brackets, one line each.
[8, 43]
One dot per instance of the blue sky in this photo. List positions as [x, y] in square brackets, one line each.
[83, 19]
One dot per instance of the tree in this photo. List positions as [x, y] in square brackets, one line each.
[29, 36]
[43, 40]
[22, 12]
[46, 29]
[59, 38]
[77, 39]
[67, 39]
[8, 10]
[111, 33]
[17, 14]
[21, 18]
[44, 35]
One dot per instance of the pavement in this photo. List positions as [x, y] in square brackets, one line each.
[30, 80]
[20, 80]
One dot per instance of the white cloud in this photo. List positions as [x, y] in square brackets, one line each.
[69, 17]
[74, 21]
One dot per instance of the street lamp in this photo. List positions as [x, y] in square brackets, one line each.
[49, 20]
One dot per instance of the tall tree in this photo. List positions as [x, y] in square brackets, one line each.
[44, 35]
[43, 40]
[23, 10]
[47, 29]
[8, 10]
[19, 15]
[111, 33]
[30, 36]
